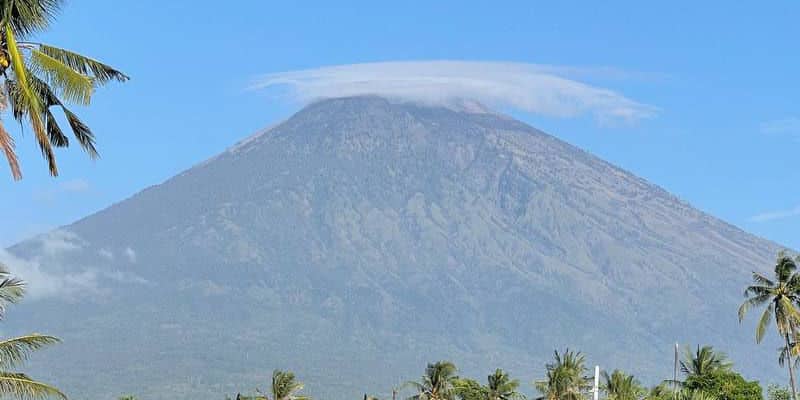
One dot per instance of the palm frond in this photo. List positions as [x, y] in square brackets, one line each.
[785, 354]
[23, 387]
[80, 130]
[17, 350]
[71, 84]
[82, 133]
[285, 386]
[788, 309]
[758, 290]
[30, 101]
[46, 96]
[7, 144]
[28, 16]
[414, 385]
[11, 291]
[763, 323]
[54, 132]
[762, 280]
[102, 73]
[753, 302]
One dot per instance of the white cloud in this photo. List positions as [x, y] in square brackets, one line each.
[130, 254]
[533, 88]
[776, 215]
[784, 127]
[107, 254]
[48, 274]
[59, 241]
[43, 284]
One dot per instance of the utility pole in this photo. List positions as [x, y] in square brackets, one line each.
[596, 389]
[675, 373]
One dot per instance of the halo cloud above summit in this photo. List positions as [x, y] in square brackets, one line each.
[532, 88]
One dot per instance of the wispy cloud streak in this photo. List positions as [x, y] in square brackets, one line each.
[776, 215]
[533, 88]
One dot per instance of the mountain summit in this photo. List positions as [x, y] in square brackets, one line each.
[362, 238]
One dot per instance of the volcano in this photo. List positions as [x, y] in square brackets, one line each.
[364, 237]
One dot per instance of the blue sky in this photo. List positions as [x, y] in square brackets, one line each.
[722, 76]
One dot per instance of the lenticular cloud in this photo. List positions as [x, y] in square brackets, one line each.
[526, 87]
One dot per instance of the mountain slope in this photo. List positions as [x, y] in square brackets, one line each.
[362, 237]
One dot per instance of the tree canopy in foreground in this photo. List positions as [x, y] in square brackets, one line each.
[39, 79]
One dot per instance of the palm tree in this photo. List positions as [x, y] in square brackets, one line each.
[621, 386]
[566, 378]
[438, 383]
[779, 295]
[284, 387]
[502, 387]
[15, 351]
[38, 77]
[703, 362]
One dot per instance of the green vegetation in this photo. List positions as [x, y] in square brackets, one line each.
[499, 386]
[780, 297]
[703, 362]
[469, 389]
[13, 352]
[710, 372]
[39, 77]
[438, 383]
[621, 386]
[284, 386]
[502, 387]
[775, 392]
[708, 375]
[725, 385]
[566, 377]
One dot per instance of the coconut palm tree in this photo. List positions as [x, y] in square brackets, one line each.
[502, 387]
[566, 379]
[779, 295]
[621, 386]
[703, 362]
[438, 383]
[284, 387]
[15, 351]
[37, 78]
